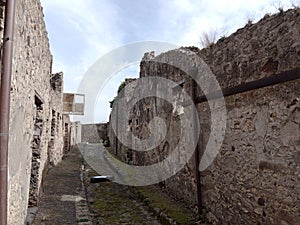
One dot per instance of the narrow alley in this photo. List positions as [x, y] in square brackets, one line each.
[63, 198]
[105, 120]
[68, 197]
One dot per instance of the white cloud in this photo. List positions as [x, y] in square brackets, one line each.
[81, 32]
[188, 19]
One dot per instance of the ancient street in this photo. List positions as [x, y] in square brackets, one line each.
[69, 197]
[106, 120]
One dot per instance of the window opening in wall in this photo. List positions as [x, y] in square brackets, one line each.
[56, 81]
[79, 99]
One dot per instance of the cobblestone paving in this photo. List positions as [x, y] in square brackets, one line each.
[114, 204]
[63, 199]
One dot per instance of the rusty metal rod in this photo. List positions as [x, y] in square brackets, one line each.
[197, 160]
[279, 78]
[5, 105]
[282, 77]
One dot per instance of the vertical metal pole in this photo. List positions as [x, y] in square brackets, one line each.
[117, 121]
[197, 159]
[5, 105]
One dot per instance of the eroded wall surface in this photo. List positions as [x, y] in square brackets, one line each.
[255, 178]
[36, 130]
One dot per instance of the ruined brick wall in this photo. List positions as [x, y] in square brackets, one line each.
[94, 133]
[255, 177]
[36, 131]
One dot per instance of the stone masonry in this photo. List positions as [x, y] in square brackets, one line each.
[94, 133]
[256, 175]
[37, 128]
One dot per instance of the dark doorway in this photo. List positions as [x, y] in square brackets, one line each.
[36, 153]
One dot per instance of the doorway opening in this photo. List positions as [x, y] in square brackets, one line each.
[36, 153]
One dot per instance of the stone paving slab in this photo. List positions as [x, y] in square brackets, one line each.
[66, 186]
[112, 204]
[116, 204]
[63, 199]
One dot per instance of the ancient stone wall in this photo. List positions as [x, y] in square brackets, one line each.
[75, 133]
[56, 143]
[256, 176]
[94, 133]
[67, 133]
[36, 131]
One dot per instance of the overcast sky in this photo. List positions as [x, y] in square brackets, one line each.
[81, 31]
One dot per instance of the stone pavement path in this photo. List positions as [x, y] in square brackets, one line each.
[63, 199]
[114, 204]
[70, 199]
